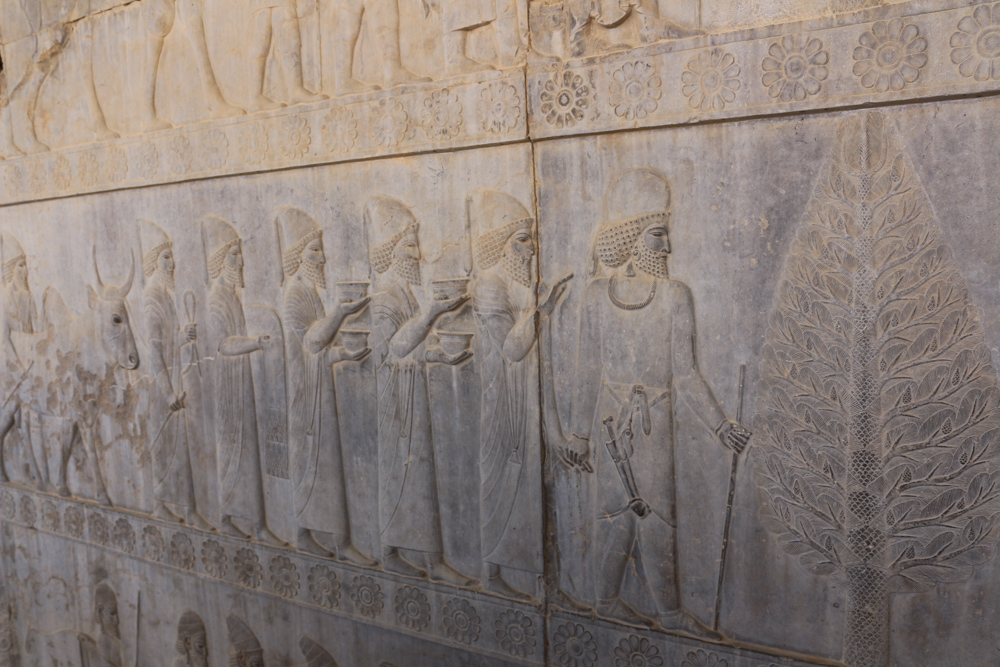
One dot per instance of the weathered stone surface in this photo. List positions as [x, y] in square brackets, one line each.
[396, 334]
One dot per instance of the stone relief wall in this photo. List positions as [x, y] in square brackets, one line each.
[395, 334]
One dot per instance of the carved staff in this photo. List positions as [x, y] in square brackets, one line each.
[729, 503]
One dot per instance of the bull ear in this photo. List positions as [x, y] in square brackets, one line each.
[92, 297]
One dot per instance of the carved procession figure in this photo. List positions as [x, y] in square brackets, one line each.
[275, 29]
[320, 483]
[461, 16]
[173, 484]
[510, 461]
[192, 641]
[240, 482]
[244, 648]
[636, 357]
[106, 651]
[408, 493]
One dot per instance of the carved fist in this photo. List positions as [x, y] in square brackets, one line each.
[265, 342]
[439, 356]
[639, 506]
[178, 402]
[351, 307]
[191, 332]
[344, 355]
[576, 453]
[448, 305]
[734, 436]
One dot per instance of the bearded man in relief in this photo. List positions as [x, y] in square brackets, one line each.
[636, 357]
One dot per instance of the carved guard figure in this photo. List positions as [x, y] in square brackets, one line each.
[192, 641]
[244, 649]
[107, 650]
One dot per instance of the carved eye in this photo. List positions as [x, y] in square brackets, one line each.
[117, 319]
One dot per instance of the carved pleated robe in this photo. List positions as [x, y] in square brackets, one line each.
[241, 493]
[313, 428]
[408, 506]
[510, 448]
[172, 481]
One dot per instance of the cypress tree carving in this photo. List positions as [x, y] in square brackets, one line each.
[877, 414]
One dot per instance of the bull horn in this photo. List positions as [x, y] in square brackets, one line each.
[97, 271]
[127, 287]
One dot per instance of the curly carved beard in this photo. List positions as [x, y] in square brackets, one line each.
[517, 267]
[407, 268]
[315, 273]
[165, 279]
[648, 261]
[233, 275]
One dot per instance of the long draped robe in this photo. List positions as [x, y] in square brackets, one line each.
[510, 448]
[313, 428]
[242, 491]
[172, 480]
[408, 506]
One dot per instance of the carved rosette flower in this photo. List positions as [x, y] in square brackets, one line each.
[499, 108]
[50, 516]
[515, 634]
[442, 115]
[636, 651]
[117, 164]
[795, 68]
[215, 149]
[296, 136]
[153, 543]
[635, 88]
[181, 552]
[89, 168]
[575, 646]
[62, 173]
[367, 596]
[74, 521]
[390, 124]
[149, 159]
[38, 177]
[461, 621]
[247, 568]
[14, 180]
[181, 154]
[284, 577]
[213, 557]
[710, 80]
[123, 537]
[412, 608]
[975, 46]
[564, 99]
[339, 130]
[7, 505]
[28, 514]
[890, 55]
[324, 586]
[253, 143]
[100, 531]
[703, 658]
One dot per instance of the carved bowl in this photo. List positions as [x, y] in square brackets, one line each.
[354, 339]
[449, 288]
[351, 290]
[455, 342]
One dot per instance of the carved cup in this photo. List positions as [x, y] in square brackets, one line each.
[449, 288]
[354, 339]
[455, 342]
[349, 291]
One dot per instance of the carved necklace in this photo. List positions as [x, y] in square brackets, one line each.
[624, 305]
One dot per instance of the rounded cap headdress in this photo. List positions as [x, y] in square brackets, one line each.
[389, 220]
[219, 237]
[502, 215]
[241, 640]
[154, 241]
[633, 199]
[189, 624]
[104, 596]
[298, 229]
[10, 253]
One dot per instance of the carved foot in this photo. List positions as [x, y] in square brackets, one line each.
[352, 86]
[229, 528]
[196, 520]
[393, 562]
[3, 475]
[28, 145]
[103, 499]
[106, 133]
[302, 96]
[262, 103]
[617, 610]
[681, 621]
[154, 124]
[497, 584]
[307, 543]
[163, 513]
[559, 598]
[223, 109]
[265, 536]
[63, 491]
[438, 570]
[351, 554]
[465, 65]
[402, 76]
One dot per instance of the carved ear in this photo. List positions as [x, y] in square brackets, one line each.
[92, 297]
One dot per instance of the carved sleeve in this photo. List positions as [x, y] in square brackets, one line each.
[589, 368]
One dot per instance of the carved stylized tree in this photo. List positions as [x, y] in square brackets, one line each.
[877, 415]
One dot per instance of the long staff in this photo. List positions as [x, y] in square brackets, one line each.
[729, 503]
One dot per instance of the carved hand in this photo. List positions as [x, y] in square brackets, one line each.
[191, 332]
[351, 307]
[178, 402]
[734, 436]
[555, 292]
[440, 307]
[265, 342]
[639, 506]
[576, 454]
[342, 354]
[439, 356]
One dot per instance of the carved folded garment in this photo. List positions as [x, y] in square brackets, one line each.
[236, 418]
[408, 508]
[171, 458]
[313, 427]
[510, 454]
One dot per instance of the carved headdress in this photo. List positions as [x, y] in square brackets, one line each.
[154, 241]
[297, 229]
[10, 253]
[316, 655]
[389, 221]
[189, 625]
[502, 215]
[632, 201]
[219, 237]
[242, 640]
